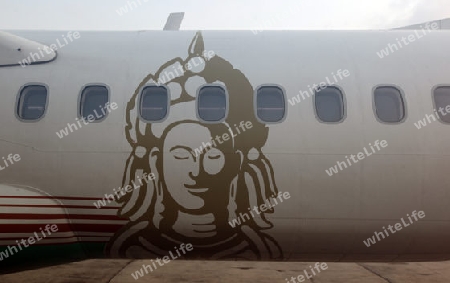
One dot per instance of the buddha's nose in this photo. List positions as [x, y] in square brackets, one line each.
[193, 174]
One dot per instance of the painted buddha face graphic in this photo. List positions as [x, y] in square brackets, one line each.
[195, 172]
[197, 190]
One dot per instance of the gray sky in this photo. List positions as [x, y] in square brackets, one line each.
[213, 14]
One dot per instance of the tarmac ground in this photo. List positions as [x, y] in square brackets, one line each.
[120, 271]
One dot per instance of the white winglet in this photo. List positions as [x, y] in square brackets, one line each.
[15, 50]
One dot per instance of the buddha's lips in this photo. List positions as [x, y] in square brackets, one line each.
[195, 189]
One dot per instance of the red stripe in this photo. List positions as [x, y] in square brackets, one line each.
[59, 206]
[47, 237]
[53, 197]
[66, 243]
[25, 216]
[31, 228]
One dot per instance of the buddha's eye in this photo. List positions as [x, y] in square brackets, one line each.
[214, 161]
[215, 156]
[182, 157]
[180, 153]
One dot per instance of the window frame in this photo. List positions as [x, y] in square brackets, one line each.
[403, 98]
[80, 97]
[344, 105]
[139, 103]
[434, 106]
[227, 101]
[255, 103]
[19, 95]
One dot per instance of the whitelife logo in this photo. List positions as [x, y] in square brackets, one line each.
[34, 57]
[405, 41]
[124, 190]
[243, 126]
[11, 250]
[312, 90]
[398, 226]
[341, 165]
[106, 109]
[262, 208]
[319, 267]
[430, 118]
[10, 160]
[165, 260]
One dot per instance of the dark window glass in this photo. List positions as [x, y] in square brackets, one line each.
[329, 103]
[212, 103]
[270, 104]
[32, 102]
[93, 100]
[442, 101]
[389, 104]
[154, 103]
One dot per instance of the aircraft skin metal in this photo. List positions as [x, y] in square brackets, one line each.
[326, 218]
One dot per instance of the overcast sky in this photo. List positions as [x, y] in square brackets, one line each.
[214, 14]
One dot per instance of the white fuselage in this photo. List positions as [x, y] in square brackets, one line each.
[326, 217]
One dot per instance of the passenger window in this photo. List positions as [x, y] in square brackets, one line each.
[154, 103]
[329, 104]
[270, 104]
[212, 103]
[93, 101]
[442, 101]
[389, 104]
[32, 102]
